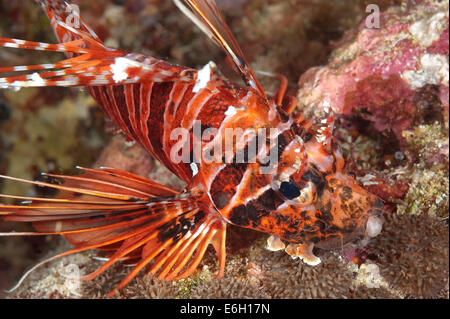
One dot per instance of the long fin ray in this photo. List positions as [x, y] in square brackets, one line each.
[206, 15]
[169, 233]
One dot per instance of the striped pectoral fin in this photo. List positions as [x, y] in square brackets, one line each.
[91, 67]
[90, 63]
[117, 211]
[177, 247]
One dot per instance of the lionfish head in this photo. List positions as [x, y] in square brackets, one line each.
[323, 203]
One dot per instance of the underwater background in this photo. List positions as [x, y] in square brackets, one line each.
[387, 84]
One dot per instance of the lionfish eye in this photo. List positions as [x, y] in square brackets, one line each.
[289, 190]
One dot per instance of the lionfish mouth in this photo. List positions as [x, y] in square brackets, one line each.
[370, 226]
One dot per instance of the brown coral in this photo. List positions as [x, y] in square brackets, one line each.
[229, 287]
[148, 287]
[413, 254]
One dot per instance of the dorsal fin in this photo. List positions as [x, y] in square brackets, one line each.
[206, 15]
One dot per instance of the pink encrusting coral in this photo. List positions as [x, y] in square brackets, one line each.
[380, 72]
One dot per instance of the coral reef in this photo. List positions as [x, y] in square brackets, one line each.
[388, 87]
[413, 255]
[393, 76]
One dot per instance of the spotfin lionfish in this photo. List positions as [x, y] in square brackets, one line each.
[307, 199]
